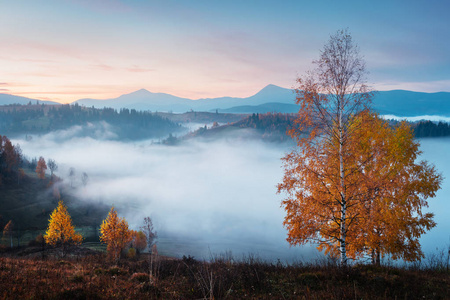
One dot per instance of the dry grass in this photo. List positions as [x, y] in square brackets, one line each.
[92, 277]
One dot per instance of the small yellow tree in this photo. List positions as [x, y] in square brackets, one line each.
[8, 231]
[60, 229]
[115, 234]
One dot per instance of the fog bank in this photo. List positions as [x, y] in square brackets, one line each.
[432, 118]
[206, 197]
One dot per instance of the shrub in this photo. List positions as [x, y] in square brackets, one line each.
[77, 277]
[131, 253]
[140, 277]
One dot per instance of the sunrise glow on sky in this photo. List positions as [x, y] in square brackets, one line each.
[67, 50]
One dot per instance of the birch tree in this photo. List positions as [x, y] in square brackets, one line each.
[53, 166]
[319, 184]
[395, 187]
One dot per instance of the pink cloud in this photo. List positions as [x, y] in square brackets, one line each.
[103, 67]
[137, 69]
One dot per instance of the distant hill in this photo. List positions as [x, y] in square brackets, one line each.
[396, 102]
[407, 103]
[262, 108]
[106, 123]
[6, 99]
[201, 117]
[145, 100]
[142, 100]
[272, 98]
[270, 127]
[275, 99]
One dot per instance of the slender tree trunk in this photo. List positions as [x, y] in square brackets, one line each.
[18, 237]
[343, 225]
[378, 257]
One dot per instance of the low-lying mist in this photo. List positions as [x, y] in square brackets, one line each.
[205, 197]
[433, 118]
[435, 151]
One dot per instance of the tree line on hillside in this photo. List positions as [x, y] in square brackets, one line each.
[39, 119]
[11, 162]
[276, 127]
[26, 183]
[280, 123]
[268, 126]
[431, 129]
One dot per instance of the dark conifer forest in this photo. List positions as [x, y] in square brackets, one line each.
[41, 119]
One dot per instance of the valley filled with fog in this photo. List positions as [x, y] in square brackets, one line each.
[205, 197]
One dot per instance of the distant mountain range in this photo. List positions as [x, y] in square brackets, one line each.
[145, 100]
[272, 98]
[6, 99]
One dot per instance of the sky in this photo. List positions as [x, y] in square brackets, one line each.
[63, 50]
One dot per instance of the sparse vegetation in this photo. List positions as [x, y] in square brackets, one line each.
[91, 277]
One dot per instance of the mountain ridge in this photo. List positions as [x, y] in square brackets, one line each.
[144, 100]
[271, 98]
[6, 99]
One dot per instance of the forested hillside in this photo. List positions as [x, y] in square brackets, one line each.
[431, 129]
[274, 126]
[41, 119]
[270, 127]
[27, 195]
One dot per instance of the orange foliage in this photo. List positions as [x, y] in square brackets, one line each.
[9, 154]
[395, 189]
[60, 229]
[11, 157]
[385, 191]
[8, 231]
[138, 240]
[41, 167]
[320, 183]
[115, 234]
